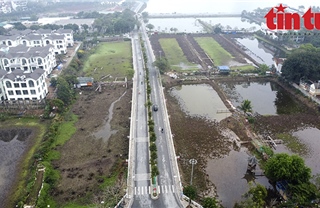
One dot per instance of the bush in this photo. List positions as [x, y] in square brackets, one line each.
[153, 147]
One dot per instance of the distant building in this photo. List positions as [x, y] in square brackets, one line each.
[223, 69]
[278, 63]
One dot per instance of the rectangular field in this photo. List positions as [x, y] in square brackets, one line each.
[175, 55]
[113, 58]
[218, 54]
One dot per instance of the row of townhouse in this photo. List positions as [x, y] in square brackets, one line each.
[60, 39]
[23, 72]
[26, 59]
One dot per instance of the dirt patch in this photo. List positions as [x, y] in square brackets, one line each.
[87, 162]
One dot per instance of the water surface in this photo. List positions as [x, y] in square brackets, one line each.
[267, 98]
[200, 100]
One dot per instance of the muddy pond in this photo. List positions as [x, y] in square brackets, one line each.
[229, 172]
[13, 144]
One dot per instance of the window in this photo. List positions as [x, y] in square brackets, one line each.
[23, 85]
[39, 61]
[24, 61]
[37, 82]
[33, 92]
[16, 85]
[9, 43]
[31, 83]
[18, 92]
[25, 92]
[8, 84]
[10, 92]
[34, 98]
[6, 62]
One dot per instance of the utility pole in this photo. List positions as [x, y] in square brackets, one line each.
[192, 162]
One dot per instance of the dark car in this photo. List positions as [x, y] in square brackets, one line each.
[155, 108]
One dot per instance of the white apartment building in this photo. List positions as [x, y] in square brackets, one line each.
[60, 39]
[27, 58]
[25, 86]
[23, 71]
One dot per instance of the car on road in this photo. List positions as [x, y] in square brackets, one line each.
[155, 107]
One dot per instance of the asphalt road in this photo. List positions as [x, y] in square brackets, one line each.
[169, 193]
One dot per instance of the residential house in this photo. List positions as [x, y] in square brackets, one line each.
[278, 63]
[315, 89]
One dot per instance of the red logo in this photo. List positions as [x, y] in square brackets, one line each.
[282, 20]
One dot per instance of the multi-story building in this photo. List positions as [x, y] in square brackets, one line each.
[23, 71]
[60, 39]
[27, 58]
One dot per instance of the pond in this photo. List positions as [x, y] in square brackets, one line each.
[267, 98]
[200, 100]
[13, 144]
[230, 178]
[311, 138]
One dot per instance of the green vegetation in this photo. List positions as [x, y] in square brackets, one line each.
[254, 198]
[216, 52]
[246, 106]
[291, 168]
[293, 143]
[162, 64]
[243, 69]
[113, 58]
[209, 202]
[303, 62]
[174, 54]
[152, 136]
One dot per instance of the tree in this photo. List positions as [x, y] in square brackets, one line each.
[303, 62]
[57, 104]
[246, 106]
[263, 68]
[150, 26]
[190, 191]
[287, 167]
[64, 92]
[162, 65]
[255, 197]
[209, 202]
[53, 82]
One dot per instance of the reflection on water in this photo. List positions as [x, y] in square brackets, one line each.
[267, 98]
[230, 178]
[257, 51]
[200, 100]
[310, 137]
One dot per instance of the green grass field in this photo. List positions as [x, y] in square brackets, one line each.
[110, 58]
[218, 54]
[175, 55]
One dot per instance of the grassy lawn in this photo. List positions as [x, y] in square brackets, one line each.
[109, 58]
[218, 54]
[174, 54]
[244, 68]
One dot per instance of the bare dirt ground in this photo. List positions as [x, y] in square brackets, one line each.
[87, 162]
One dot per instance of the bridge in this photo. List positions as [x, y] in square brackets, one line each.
[196, 15]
